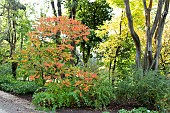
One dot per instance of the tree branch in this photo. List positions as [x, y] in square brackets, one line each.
[158, 16]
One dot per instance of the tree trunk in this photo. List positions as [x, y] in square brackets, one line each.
[73, 9]
[114, 63]
[156, 30]
[57, 36]
[53, 8]
[133, 33]
[73, 52]
[148, 51]
[13, 43]
[59, 7]
[160, 32]
[21, 43]
[73, 16]
[14, 68]
[12, 39]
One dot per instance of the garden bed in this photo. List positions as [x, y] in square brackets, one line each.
[112, 108]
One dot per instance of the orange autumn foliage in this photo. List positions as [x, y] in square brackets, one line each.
[77, 83]
[73, 29]
[86, 88]
[81, 94]
[67, 83]
[93, 75]
[88, 79]
[53, 59]
[23, 61]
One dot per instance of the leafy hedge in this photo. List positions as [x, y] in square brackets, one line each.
[8, 84]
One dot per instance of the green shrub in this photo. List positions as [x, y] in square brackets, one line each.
[102, 94]
[64, 97]
[124, 90]
[138, 110]
[6, 79]
[99, 95]
[9, 84]
[45, 99]
[5, 69]
[152, 90]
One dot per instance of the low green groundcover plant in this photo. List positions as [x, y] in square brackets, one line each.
[137, 110]
[5, 69]
[5, 79]
[9, 84]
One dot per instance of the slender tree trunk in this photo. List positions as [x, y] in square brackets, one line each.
[160, 32]
[59, 7]
[83, 48]
[110, 67]
[12, 39]
[14, 69]
[148, 51]
[114, 63]
[21, 43]
[53, 8]
[13, 43]
[73, 52]
[118, 48]
[59, 14]
[57, 36]
[133, 33]
[73, 16]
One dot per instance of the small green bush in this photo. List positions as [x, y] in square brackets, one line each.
[9, 84]
[5, 69]
[98, 96]
[102, 94]
[152, 90]
[60, 97]
[6, 79]
[44, 99]
[138, 110]
[19, 87]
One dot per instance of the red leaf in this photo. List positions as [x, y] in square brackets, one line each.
[94, 75]
[87, 79]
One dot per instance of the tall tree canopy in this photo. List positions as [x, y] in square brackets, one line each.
[92, 14]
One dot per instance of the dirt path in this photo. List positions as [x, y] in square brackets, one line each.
[12, 104]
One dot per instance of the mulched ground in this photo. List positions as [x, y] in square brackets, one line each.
[112, 108]
[26, 97]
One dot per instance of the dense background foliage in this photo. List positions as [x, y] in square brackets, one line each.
[80, 53]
